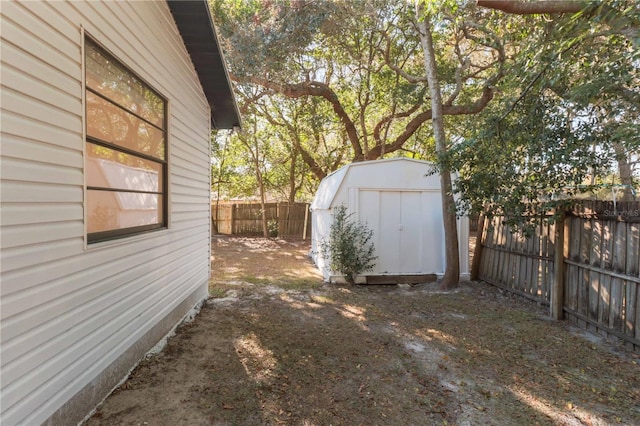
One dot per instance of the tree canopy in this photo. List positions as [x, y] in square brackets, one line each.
[363, 59]
[535, 101]
[567, 113]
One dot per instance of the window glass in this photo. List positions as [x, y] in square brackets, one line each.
[125, 154]
[109, 168]
[110, 123]
[107, 77]
[116, 210]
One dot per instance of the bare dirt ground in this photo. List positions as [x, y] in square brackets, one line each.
[275, 346]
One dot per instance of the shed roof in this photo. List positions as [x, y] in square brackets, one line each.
[194, 22]
[328, 188]
[330, 185]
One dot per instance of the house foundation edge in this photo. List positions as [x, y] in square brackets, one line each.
[83, 404]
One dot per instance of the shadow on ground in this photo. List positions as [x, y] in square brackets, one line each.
[279, 351]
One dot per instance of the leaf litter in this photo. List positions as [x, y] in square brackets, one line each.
[274, 345]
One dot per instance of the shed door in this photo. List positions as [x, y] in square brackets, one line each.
[407, 228]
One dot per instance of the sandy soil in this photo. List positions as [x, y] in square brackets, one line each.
[276, 346]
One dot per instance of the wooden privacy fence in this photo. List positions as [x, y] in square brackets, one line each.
[596, 244]
[523, 265]
[283, 219]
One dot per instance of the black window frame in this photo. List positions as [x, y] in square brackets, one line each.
[118, 233]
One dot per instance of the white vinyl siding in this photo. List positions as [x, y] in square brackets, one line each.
[69, 311]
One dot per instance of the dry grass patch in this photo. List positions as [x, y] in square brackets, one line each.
[238, 261]
[279, 347]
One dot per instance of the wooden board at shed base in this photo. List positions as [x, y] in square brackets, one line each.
[401, 279]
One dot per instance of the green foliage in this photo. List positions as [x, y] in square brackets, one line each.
[349, 248]
[272, 228]
[232, 174]
[235, 157]
[339, 46]
[268, 34]
[568, 104]
[564, 104]
[522, 164]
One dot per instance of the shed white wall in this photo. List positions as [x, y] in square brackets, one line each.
[365, 188]
[320, 228]
[71, 313]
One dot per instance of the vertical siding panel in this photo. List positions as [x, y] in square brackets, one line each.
[513, 265]
[585, 252]
[537, 264]
[633, 260]
[522, 264]
[549, 251]
[616, 320]
[485, 261]
[512, 259]
[633, 249]
[604, 310]
[531, 263]
[573, 271]
[570, 286]
[594, 285]
[499, 254]
[504, 256]
[492, 240]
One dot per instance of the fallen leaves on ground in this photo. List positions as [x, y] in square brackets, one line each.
[286, 349]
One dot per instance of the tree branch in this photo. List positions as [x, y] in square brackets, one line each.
[315, 168]
[409, 130]
[474, 108]
[625, 25]
[388, 119]
[387, 60]
[518, 7]
[312, 88]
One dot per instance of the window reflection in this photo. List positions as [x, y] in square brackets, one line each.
[110, 123]
[125, 150]
[112, 210]
[109, 168]
[108, 77]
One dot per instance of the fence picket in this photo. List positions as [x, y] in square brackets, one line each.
[605, 300]
[601, 265]
[284, 219]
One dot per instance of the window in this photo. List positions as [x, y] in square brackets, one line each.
[126, 150]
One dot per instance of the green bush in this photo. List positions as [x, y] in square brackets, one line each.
[272, 228]
[349, 248]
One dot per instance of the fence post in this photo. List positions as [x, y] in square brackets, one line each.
[233, 219]
[477, 251]
[306, 221]
[561, 241]
[214, 219]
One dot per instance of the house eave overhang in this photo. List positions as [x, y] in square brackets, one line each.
[193, 19]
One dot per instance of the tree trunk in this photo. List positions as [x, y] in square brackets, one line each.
[263, 211]
[255, 154]
[624, 169]
[519, 7]
[292, 180]
[452, 271]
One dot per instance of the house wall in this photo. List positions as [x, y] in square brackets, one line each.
[76, 318]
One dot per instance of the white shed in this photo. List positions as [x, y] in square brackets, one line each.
[400, 201]
[107, 109]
